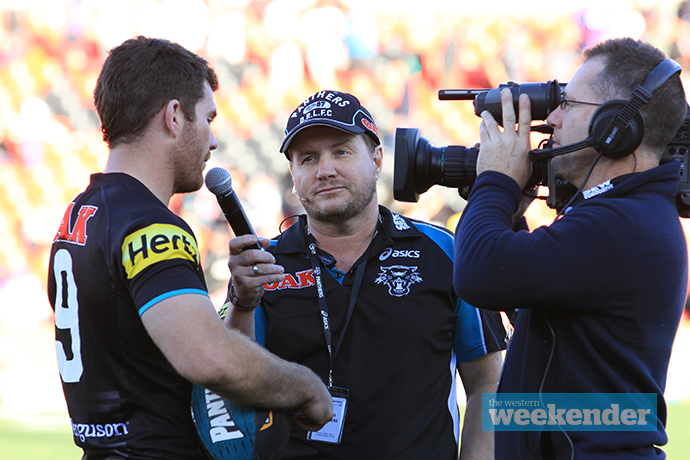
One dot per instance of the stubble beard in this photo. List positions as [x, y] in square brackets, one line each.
[349, 209]
[188, 178]
[573, 165]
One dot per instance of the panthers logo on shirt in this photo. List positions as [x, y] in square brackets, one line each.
[398, 278]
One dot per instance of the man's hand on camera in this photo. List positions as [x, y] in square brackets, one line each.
[506, 150]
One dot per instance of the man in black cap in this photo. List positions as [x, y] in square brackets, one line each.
[364, 297]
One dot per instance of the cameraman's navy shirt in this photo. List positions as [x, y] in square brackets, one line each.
[603, 288]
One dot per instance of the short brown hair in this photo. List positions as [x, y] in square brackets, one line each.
[628, 62]
[140, 77]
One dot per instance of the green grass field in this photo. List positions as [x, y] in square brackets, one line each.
[43, 437]
[48, 437]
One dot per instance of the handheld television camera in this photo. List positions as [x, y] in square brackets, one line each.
[419, 164]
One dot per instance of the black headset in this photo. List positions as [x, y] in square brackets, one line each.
[617, 127]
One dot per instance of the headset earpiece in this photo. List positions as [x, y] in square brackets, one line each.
[629, 140]
[617, 127]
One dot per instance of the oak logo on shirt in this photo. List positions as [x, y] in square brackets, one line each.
[77, 233]
[157, 243]
[299, 280]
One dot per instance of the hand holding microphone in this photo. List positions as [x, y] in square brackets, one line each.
[250, 270]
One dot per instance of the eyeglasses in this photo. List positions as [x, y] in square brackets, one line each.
[564, 103]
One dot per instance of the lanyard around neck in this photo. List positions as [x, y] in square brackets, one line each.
[323, 306]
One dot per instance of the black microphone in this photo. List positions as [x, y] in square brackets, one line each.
[219, 181]
[548, 153]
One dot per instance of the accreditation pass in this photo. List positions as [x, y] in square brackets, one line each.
[332, 432]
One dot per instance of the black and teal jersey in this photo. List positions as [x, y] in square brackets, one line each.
[118, 251]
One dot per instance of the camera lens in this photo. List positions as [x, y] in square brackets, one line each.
[419, 165]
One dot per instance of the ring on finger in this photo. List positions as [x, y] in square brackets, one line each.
[255, 269]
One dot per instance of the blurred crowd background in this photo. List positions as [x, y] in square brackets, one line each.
[394, 55]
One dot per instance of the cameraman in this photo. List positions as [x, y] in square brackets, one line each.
[600, 291]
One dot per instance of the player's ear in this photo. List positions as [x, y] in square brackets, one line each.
[173, 117]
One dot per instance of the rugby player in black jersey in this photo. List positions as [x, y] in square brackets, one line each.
[134, 323]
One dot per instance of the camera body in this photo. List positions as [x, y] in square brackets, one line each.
[419, 164]
[679, 150]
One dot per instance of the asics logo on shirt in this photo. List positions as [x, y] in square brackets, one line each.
[400, 253]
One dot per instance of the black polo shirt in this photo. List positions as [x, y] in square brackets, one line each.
[399, 352]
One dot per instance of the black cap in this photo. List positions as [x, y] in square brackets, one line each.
[330, 108]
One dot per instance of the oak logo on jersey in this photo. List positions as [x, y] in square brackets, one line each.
[157, 243]
[398, 278]
[76, 234]
[299, 280]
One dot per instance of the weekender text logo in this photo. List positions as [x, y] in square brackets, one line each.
[569, 412]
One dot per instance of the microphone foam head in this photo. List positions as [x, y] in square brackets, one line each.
[218, 181]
